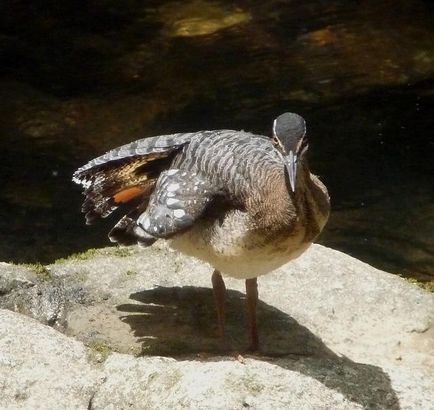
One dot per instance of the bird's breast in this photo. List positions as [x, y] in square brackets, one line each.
[234, 246]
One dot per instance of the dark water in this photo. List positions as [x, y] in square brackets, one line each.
[78, 78]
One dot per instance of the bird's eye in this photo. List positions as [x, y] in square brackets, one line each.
[302, 146]
[278, 144]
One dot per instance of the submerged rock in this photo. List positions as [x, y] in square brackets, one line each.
[199, 18]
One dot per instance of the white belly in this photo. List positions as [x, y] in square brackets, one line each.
[237, 251]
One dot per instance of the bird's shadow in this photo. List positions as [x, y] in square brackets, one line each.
[180, 322]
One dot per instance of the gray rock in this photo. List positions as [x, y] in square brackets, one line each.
[336, 334]
[15, 277]
[40, 368]
[38, 296]
[225, 383]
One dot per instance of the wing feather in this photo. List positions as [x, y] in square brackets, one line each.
[125, 173]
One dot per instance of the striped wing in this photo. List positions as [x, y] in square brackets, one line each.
[125, 173]
[173, 180]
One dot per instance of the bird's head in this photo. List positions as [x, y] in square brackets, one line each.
[289, 135]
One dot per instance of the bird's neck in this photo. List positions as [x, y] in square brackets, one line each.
[312, 201]
[281, 208]
[271, 207]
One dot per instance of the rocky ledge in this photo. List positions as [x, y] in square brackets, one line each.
[132, 328]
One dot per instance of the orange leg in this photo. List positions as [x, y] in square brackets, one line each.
[219, 288]
[252, 300]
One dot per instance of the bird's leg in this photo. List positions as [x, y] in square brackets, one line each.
[219, 289]
[252, 300]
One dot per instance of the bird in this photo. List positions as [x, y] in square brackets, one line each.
[244, 203]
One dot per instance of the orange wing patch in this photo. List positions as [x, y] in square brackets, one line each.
[126, 195]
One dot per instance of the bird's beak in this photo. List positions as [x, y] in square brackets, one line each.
[291, 167]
